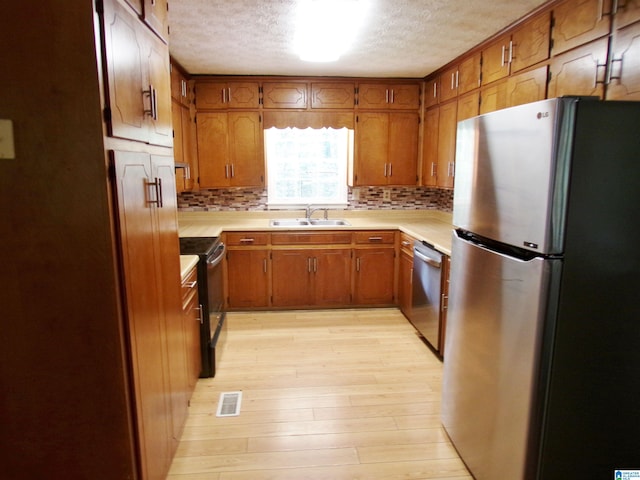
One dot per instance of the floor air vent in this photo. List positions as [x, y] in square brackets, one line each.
[229, 404]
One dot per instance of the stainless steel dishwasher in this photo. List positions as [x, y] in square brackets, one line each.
[427, 285]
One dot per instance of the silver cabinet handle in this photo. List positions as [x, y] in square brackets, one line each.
[229, 96]
[510, 51]
[315, 265]
[264, 265]
[375, 239]
[385, 169]
[386, 95]
[190, 284]
[391, 169]
[452, 77]
[433, 168]
[308, 264]
[406, 243]
[457, 77]
[233, 171]
[247, 240]
[152, 93]
[435, 89]
[357, 264]
[502, 59]
[393, 96]
[157, 186]
[200, 314]
[226, 171]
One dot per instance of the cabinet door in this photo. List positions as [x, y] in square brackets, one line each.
[373, 96]
[493, 97]
[156, 16]
[469, 74]
[160, 128]
[247, 279]
[403, 149]
[468, 106]
[189, 148]
[372, 145]
[580, 71]
[447, 144]
[625, 65]
[212, 135]
[449, 84]
[530, 43]
[284, 95]
[245, 149]
[404, 97]
[432, 92]
[577, 22]
[332, 95]
[628, 12]
[405, 283]
[496, 60]
[527, 87]
[162, 171]
[211, 95]
[292, 272]
[145, 320]
[125, 58]
[332, 277]
[430, 148]
[243, 95]
[374, 276]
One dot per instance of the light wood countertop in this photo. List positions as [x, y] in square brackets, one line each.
[187, 262]
[432, 226]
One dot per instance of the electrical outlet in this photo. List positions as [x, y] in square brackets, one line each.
[386, 195]
[355, 194]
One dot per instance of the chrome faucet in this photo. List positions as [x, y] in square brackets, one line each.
[309, 211]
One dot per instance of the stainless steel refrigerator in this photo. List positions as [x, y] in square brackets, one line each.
[542, 373]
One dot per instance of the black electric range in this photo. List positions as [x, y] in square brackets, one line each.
[210, 251]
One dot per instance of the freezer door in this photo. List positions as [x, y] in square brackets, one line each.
[511, 174]
[494, 331]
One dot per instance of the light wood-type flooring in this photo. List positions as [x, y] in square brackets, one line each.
[330, 394]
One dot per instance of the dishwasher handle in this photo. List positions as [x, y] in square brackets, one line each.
[424, 258]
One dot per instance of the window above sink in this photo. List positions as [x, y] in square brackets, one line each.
[307, 166]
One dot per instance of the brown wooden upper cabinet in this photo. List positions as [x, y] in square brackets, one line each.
[154, 13]
[230, 149]
[386, 149]
[380, 96]
[332, 95]
[459, 79]
[581, 71]
[627, 12]
[179, 86]
[138, 79]
[577, 22]
[624, 65]
[225, 95]
[432, 92]
[517, 50]
[284, 95]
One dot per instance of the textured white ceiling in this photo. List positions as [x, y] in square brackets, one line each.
[402, 38]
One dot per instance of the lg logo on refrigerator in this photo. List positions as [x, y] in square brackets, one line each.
[542, 115]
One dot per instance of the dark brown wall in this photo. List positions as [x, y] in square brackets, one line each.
[64, 411]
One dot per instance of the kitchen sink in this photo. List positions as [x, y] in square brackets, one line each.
[303, 222]
[329, 223]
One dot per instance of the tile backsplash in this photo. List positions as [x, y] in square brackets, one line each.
[360, 198]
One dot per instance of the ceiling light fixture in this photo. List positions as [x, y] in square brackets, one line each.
[326, 29]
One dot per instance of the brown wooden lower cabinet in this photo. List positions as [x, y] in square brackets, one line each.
[311, 277]
[405, 275]
[373, 282]
[248, 278]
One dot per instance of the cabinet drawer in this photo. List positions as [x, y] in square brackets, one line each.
[310, 238]
[374, 237]
[247, 239]
[406, 243]
[189, 287]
